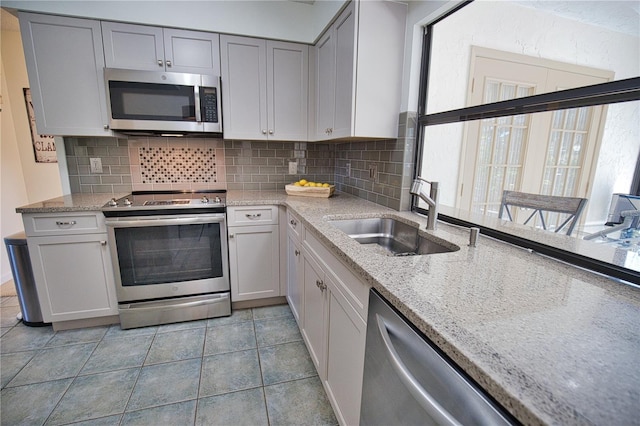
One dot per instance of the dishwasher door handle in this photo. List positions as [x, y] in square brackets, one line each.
[426, 401]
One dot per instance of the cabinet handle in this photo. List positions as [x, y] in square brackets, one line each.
[231, 236]
[70, 223]
[160, 63]
[103, 243]
[253, 216]
[168, 63]
[297, 252]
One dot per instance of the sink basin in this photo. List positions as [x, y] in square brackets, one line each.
[392, 236]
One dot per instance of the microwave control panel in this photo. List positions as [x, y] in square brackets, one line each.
[209, 104]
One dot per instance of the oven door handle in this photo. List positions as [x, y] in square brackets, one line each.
[164, 222]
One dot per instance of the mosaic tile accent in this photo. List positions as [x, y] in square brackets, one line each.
[177, 165]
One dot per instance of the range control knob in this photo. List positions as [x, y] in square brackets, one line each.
[113, 202]
[127, 202]
[204, 200]
[218, 200]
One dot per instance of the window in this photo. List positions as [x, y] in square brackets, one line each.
[576, 134]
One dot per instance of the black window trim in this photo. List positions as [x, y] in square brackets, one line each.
[600, 94]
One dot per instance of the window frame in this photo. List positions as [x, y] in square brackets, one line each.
[600, 94]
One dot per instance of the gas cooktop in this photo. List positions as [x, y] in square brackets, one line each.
[167, 202]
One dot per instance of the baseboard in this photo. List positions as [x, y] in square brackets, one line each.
[83, 323]
[257, 303]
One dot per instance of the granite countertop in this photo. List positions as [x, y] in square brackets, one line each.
[552, 343]
[70, 203]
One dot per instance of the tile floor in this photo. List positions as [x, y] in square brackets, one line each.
[250, 368]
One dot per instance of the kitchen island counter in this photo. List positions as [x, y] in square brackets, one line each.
[552, 343]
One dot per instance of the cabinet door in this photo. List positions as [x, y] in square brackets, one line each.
[254, 262]
[74, 276]
[137, 47]
[345, 356]
[345, 35]
[325, 84]
[314, 313]
[244, 87]
[192, 52]
[287, 91]
[65, 63]
[294, 279]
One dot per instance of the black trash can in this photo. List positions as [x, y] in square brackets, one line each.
[23, 278]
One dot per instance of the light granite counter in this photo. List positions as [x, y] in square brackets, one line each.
[70, 203]
[552, 343]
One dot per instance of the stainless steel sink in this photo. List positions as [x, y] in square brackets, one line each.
[394, 237]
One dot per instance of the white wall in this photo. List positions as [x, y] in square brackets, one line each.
[501, 25]
[22, 180]
[276, 19]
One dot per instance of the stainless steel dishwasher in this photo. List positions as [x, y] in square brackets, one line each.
[408, 382]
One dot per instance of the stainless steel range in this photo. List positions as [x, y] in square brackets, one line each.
[170, 256]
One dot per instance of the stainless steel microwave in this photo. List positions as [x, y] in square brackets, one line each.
[163, 102]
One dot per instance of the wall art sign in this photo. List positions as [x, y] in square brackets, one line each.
[44, 147]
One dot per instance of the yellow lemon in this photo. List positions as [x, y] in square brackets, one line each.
[296, 184]
[303, 182]
[325, 185]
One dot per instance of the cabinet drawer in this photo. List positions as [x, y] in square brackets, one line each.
[263, 215]
[43, 224]
[294, 226]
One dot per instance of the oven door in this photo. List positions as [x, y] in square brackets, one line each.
[167, 256]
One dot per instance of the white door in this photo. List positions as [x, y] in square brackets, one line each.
[545, 153]
[136, 47]
[192, 52]
[287, 90]
[254, 262]
[244, 87]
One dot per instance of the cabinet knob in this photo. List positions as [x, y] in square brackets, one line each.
[270, 132]
[297, 252]
[106, 127]
[231, 236]
[321, 285]
[160, 63]
[293, 223]
[103, 243]
[264, 131]
[168, 63]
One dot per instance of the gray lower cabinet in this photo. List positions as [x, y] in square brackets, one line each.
[254, 252]
[65, 63]
[71, 265]
[332, 305]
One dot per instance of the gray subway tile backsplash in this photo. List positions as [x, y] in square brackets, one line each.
[254, 165]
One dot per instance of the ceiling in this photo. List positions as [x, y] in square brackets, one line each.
[619, 15]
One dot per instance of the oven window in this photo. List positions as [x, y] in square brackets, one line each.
[149, 101]
[165, 254]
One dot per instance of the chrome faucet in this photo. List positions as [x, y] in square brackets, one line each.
[431, 199]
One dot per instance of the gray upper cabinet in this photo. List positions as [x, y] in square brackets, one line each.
[65, 65]
[142, 47]
[264, 89]
[357, 72]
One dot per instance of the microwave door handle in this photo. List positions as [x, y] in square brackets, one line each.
[196, 98]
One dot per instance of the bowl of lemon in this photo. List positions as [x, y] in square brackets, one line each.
[305, 188]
